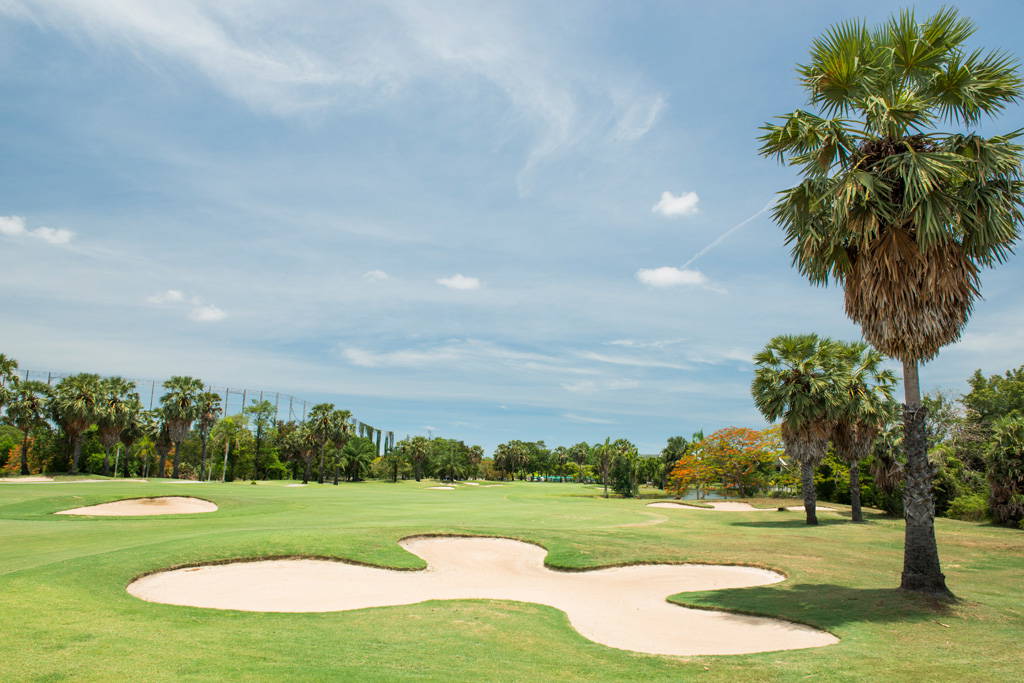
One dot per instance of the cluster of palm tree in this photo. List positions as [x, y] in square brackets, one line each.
[822, 391]
[111, 404]
[901, 215]
[323, 438]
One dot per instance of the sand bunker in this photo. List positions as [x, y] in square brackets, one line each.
[442, 488]
[27, 480]
[137, 507]
[294, 486]
[623, 607]
[469, 483]
[728, 506]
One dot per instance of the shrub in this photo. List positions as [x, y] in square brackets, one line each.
[970, 507]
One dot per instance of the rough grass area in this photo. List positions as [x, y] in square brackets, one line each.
[66, 613]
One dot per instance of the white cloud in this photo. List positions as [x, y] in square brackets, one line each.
[670, 205]
[375, 276]
[14, 226]
[170, 296]
[430, 428]
[206, 314]
[198, 311]
[462, 353]
[572, 417]
[53, 235]
[459, 281]
[668, 276]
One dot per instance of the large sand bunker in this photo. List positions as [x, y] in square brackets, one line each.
[138, 507]
[35, 479]
[728, 506]
[623, 607]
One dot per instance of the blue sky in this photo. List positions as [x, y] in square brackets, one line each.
[445, 215]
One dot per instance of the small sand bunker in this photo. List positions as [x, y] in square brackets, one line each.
[27, 480]
[138, 507]
[728, 506]
[470, 483]
[442, 488]
[294, 486]
[622, 607]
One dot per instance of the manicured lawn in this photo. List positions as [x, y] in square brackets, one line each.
[65, 613]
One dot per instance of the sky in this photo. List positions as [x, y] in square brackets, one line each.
[485, 220]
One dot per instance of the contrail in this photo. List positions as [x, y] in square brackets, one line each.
[718, 240]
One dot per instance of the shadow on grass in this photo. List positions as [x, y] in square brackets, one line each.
[792, 523]
[824, 605]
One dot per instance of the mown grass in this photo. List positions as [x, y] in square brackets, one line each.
[66, 615]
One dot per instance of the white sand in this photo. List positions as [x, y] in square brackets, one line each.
[469, 483]
[137, 507]
[622, 607]
[729, 506]
[26, 480]
[294, 486]
[442, 488]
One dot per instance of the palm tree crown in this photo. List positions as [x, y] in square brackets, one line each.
[902, 215]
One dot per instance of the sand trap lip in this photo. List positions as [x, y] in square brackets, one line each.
[728, 506]
[138, 507]
[622, 607]
[442, 488]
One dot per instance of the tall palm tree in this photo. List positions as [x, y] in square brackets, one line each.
[340, 438]
[73, 406]
[799, 380]
[7, 379]
[866, 410]
[208, 410]
[180, 407]
[27, 410]
[114, 410]
[900, 214]
[356, 456]
[323, 428]
[135, 429]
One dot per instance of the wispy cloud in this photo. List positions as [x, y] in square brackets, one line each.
[206, 314]
[583, 419]
[15, 226]
[670, 205]
[284, 58]
[631, 361]
[459, 281]
[167, 297]
[375, 276]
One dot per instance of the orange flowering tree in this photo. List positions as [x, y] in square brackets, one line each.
[737, 460]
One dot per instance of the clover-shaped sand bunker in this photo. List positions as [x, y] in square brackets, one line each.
[622, 607]
[728, 506]
[139, 507]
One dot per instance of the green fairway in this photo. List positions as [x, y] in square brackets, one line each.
[66, 613]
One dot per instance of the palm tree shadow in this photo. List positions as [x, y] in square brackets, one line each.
[823, 605]
[791, 523]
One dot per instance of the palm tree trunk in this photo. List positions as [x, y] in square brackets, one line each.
[106, 461]
[320, 467]
[921, 569]
[24, 454]
[163, 463]
[855, 515]
[177, 459]
[202, 460]
[305, 472]
[76, 452]
[810, 495]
